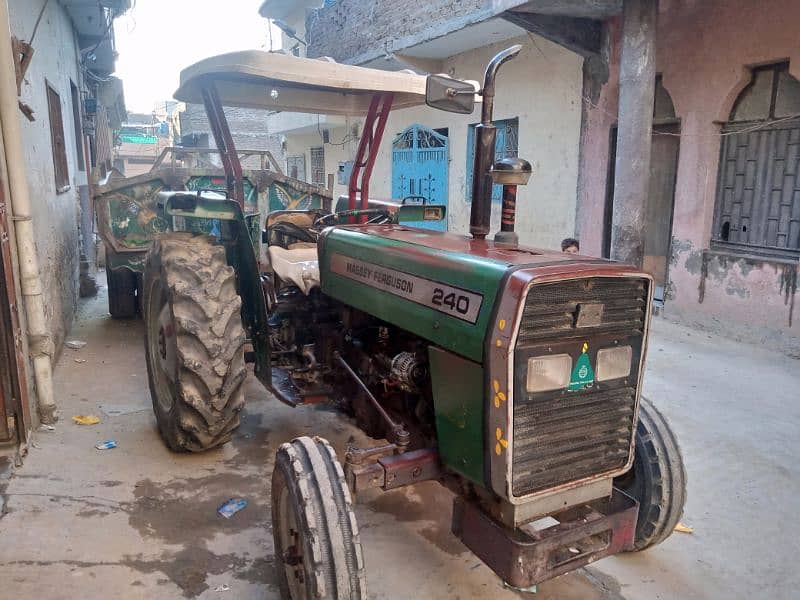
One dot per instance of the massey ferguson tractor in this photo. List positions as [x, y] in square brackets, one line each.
[511, 375]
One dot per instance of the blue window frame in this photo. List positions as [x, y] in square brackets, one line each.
[506, 146]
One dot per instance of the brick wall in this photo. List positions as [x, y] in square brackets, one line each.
[354, 30]
[249, 130]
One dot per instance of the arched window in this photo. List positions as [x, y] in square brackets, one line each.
[758, 185]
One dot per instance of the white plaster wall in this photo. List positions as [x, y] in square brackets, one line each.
[542, 87]
[335, 152]
[55, 216]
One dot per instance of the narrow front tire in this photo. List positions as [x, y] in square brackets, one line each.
[657, 479]
[317, 546]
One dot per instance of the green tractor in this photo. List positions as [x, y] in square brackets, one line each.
[510, 375]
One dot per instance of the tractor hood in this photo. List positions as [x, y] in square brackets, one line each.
[440, 286]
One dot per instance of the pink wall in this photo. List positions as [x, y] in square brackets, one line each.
[704, 49]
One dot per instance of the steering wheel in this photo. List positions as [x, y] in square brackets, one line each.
[376, 216]
[290, 229]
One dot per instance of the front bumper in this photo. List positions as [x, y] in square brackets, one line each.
[523, 559]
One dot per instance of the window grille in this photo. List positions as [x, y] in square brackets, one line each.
[506, 146]
[758, 183]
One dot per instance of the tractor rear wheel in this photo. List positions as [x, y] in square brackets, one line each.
[317, 545]
[121, 293]
[657, 479]
[194, 341]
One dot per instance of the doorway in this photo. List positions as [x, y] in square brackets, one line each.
[419, 169]
[9, 365]
[660, 201]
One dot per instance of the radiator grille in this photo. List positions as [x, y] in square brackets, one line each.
[570, 437]
[551, 308]
[562, 436]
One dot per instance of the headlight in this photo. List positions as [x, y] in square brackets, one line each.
[547, 373]
[613, 363]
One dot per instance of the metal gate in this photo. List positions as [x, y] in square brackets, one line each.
[419, 169]
[15, 415]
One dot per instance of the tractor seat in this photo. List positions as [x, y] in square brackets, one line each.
[298, 265]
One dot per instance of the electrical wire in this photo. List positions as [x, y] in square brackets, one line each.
[347, 137]
[595, 106]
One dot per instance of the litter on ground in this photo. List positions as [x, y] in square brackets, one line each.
[108, 445]
[231, 507]
[75, 344]
[86, 419]
[681, 528]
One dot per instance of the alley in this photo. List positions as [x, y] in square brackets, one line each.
[140, 522]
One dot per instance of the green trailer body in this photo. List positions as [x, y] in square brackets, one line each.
[129, 215]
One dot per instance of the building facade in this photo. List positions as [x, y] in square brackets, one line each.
[714, 216]
[68, 105]
[426, 152]
[723, 219]
[249, 130]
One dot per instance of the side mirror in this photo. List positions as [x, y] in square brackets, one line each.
[452, 95]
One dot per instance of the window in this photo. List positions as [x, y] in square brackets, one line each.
[59, 147]
[506, 146]
[318, 166]
[76, 117]
[296, 167]
[758, 184]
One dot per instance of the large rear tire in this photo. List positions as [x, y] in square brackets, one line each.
[657, 479]
[317, 545]
[121, 293]
[194, 341]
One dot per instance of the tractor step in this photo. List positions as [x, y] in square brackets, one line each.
[284, 388]
[286, 391]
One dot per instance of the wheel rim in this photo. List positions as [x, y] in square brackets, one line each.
[161, 345]
[291, 547]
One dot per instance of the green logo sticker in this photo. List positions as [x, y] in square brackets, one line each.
[583, 374]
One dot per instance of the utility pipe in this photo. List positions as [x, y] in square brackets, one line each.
[40, 342]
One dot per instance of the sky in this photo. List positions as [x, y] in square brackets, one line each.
[157, 38]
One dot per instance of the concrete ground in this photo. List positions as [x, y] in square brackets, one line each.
[141, 522]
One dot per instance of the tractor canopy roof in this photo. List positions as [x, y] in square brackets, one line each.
[273, 81]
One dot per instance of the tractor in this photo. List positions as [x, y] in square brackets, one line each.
[510, 375]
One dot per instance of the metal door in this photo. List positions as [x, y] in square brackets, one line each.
[419, 169]
[14, 409]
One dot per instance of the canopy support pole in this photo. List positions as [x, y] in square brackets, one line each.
[374, 126]
[224, 141]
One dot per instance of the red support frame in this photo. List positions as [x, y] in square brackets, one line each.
[374, 126]
[224, 141]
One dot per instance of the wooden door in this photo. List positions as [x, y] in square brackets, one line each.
[660, 203]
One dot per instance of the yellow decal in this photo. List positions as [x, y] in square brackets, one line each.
[502, 324]
[498, 342]
[501, 443]
[585, 347]
[498, 395]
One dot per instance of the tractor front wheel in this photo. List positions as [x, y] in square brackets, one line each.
[657, 479]
[194, 341]
[317, 546]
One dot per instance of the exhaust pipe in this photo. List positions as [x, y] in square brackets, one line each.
[485, 137]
